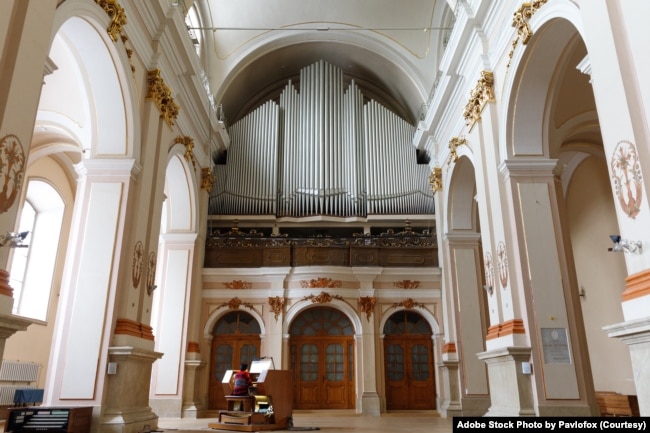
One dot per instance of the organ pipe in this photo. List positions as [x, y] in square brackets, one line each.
[321, 150]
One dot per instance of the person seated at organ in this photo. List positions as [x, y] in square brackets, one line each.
[242, 381]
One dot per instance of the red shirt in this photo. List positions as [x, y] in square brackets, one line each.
[241, 383]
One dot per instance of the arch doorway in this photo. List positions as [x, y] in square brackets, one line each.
[408, 355]
[322, 359]
[235, 339]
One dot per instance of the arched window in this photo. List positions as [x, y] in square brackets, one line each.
[32, 268]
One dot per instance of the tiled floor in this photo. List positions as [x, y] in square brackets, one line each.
[336, 421]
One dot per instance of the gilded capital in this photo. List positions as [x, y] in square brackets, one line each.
[435, 179]
[117, 15]
[161, 95]
[207, 179]
[480, 95]
[520, 23]
[188, 142]
[454, 143]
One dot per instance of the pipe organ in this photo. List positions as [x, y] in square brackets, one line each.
[321, 150]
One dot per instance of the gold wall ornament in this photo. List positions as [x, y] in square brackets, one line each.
[188, 142]
[161, 95]
[138, 264]
[12, 169]
[520, 23]
[480, 95]
[238, 285]
[322, 298]
[235, 303]
[407, 284]
[207, 179]
[454, 144]
[117, 15]
[407, 303]
[277, 305]
[435, 179]
[367, 305]
[320, 283]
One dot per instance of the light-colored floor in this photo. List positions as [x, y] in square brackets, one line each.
[335, 421]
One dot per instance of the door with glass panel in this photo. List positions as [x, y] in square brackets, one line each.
[408, 363]
[322, 354]
[236, 339]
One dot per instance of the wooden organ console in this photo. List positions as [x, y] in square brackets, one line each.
[269, 406]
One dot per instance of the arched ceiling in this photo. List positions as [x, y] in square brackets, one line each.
[389, 47]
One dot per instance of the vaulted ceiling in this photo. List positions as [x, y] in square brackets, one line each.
[391, 48]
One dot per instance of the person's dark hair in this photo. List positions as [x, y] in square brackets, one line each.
[244, 366]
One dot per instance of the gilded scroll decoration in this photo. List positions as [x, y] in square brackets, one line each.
[277, 305]
[322, 298]
[367, 305]
[502, 264]
[480, 95]
[454, 144]
[238, 285]
[407, 303]
[161, 95]
[320, 283]
[117, 15]
[12, 169]
[138, 264]
[435, 179]
[520, 23]
[235, 303]
[626, 175]
[207, 179]
[407, 284]
[188, 142]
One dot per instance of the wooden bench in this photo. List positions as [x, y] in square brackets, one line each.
[615, 404]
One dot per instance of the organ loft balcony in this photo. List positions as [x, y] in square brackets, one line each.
[321, 243]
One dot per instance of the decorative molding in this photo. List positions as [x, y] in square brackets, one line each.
[454, 143]
[480, 95]
[12, 170]
[207, 179]
[320, 283]
[151, 273]
[367, 305]
[627, 178]
[322, 298]
[235, 303]
[407, 284]
[188, 142]
[131, 327]
[514, 326]
[407, 303]
[277, 305]
[238, 285]
[449, 348]
[5, 288]
[138, 264]
[502, 264]
[193, 347]
[161, 95]
[435, 179]
[117, 15]
[520, 23]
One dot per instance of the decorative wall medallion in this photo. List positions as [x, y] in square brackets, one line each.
[161, 95]
[277, 305]
[626, 173]
[151, 273]
[238, 284]
[367, 305]
[435, 179]
[12, 168]
[489, 273]
[407, 284]
[138, 263]
[502, 264]
[320, 283]
[322, 298]
[482, 93]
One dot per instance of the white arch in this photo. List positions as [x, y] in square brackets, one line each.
[218, 314]
[428, 316]
[339, 305]
[180, 212]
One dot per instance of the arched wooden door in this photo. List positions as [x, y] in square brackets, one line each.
[236, 339]
[322, 359]
[408, 357]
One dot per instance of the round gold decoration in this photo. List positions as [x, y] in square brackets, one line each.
[12, 169]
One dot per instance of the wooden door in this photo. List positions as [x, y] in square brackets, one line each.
[408, 365]
[235, 340]
[322, 358]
